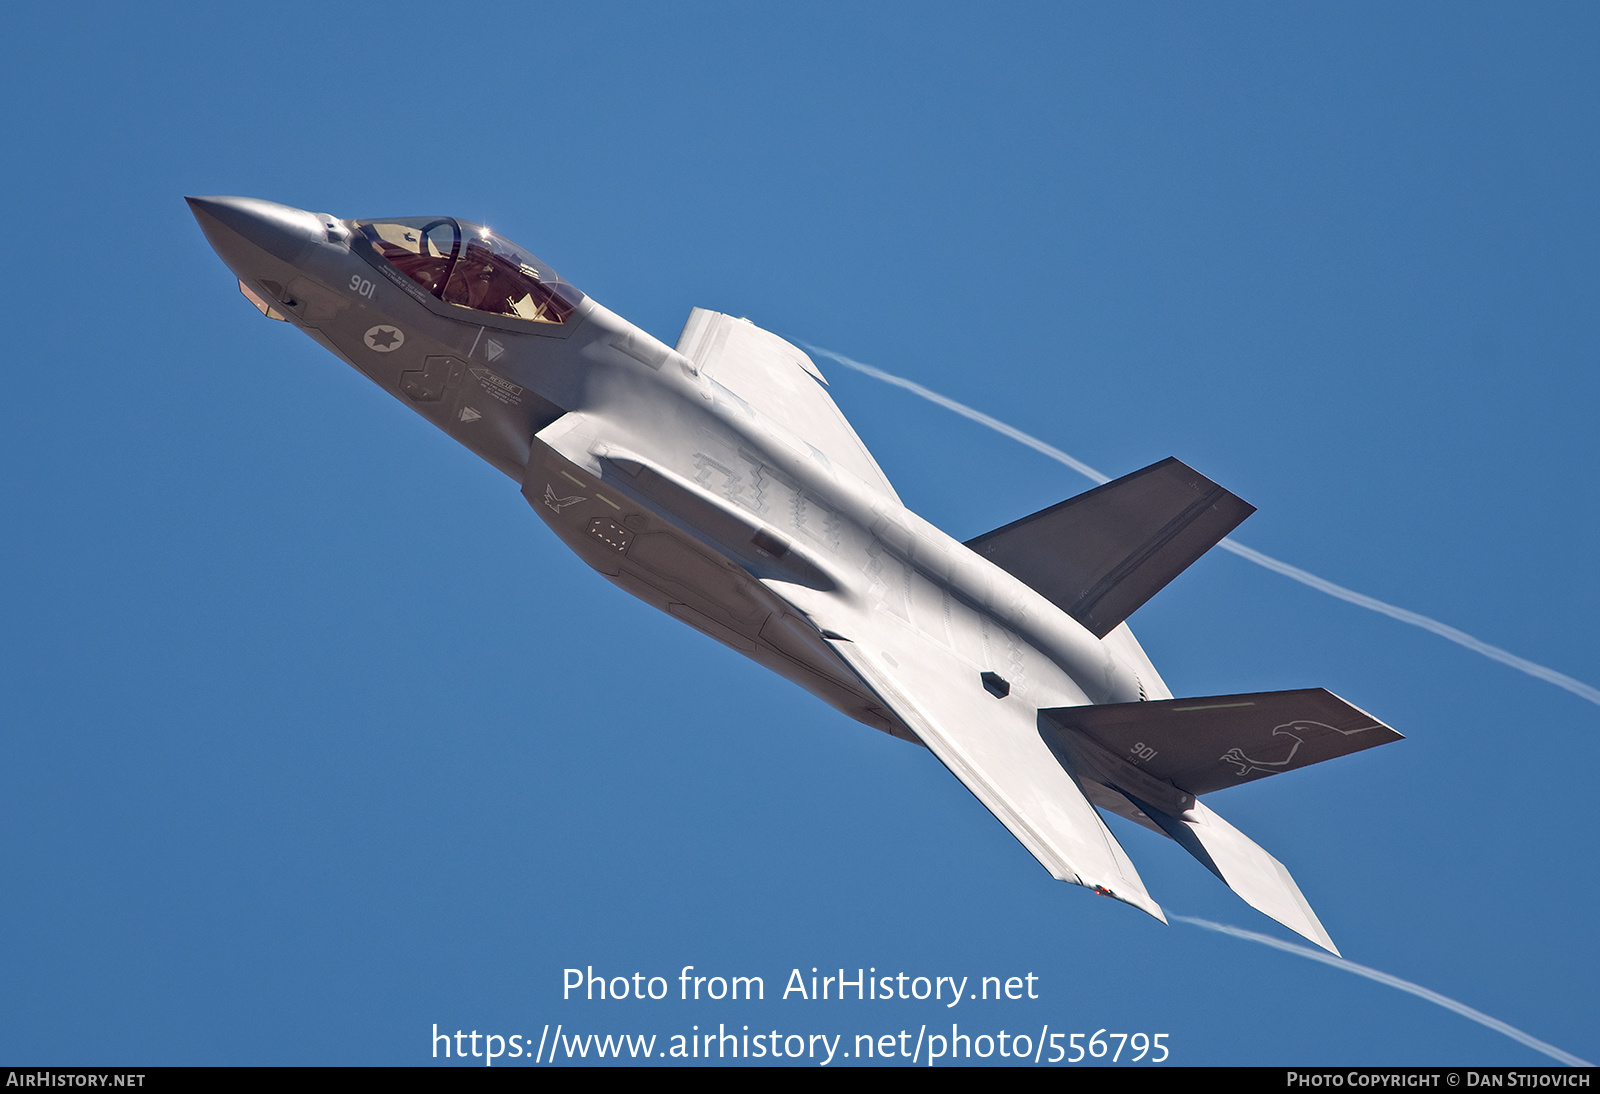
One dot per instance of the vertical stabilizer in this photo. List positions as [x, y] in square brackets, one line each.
[1100, 555]
[1171, 742]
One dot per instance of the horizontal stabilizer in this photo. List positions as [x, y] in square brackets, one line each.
[1102, 554]
[1260, 880]
[1201, 745]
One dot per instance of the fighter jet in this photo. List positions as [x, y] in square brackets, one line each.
[717, 481]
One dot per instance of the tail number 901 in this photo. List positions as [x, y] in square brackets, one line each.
[360, 286]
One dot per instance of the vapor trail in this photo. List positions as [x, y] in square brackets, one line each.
[1416, 619]
[1394, 982]
[967, 412]
[1443, 630]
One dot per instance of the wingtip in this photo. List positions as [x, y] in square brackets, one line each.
[1141, 900]
[1321, 939]
[1306, 925]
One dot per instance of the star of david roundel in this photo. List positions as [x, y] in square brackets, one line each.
[384, 338]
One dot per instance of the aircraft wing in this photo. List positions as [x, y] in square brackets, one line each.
[754, 372]
[993, 745]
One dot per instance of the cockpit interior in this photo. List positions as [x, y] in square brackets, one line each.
[469, 266]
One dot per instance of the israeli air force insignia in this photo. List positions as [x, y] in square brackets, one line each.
[384, 338]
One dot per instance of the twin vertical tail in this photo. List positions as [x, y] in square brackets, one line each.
[1102, 554]
[1098, 557]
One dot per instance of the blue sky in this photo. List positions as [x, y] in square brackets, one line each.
[314, 736]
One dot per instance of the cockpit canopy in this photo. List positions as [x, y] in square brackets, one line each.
[469, 266]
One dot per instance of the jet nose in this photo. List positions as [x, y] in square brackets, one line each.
[240, 228]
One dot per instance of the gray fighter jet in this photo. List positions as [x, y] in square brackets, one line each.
[717, 481]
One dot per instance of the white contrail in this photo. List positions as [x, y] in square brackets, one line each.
[967, 412]
[1394, 982]
[1577, 687]
[1416, 619]
[1443, 630]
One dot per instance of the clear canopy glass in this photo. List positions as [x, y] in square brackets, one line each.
[469, 266]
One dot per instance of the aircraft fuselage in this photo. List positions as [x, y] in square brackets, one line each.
[718, 482]
[591, 415]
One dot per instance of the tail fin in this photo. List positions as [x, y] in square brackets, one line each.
[1211, 743]
[1102, 554]
[1148, 761]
